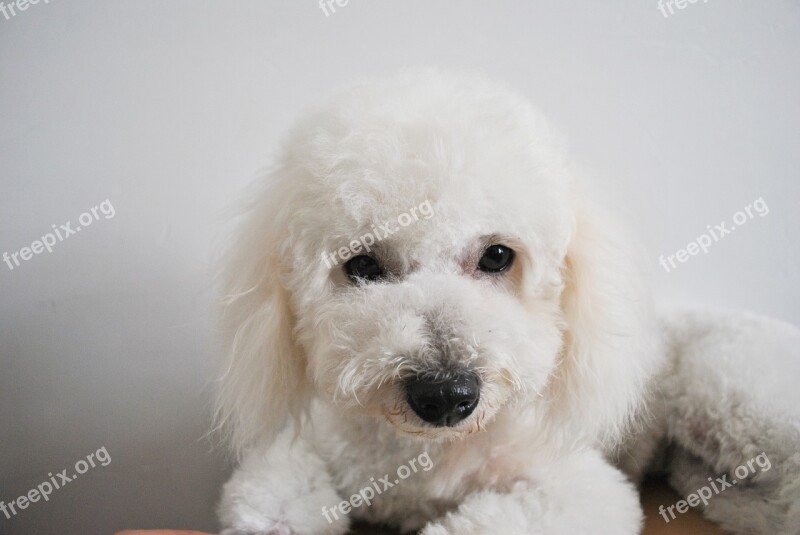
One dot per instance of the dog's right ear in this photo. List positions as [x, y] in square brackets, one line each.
[263, 380]
[609, 348]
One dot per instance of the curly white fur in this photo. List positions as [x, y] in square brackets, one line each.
[727, 393]
[560, 344]
[312, 395]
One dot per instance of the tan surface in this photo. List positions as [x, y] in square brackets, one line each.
[658, 493]
[653, 495]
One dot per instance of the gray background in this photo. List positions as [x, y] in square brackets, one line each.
[168, 108]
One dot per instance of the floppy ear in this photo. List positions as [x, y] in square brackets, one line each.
[609, 350]
[263, 381]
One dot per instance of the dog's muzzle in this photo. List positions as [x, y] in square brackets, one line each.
[444, 401]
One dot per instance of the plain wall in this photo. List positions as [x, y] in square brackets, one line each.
[169, 108]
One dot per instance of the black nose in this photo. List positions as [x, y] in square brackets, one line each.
[444, 402]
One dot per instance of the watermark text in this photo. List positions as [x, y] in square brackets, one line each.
[375, 488]
[378, 233]
[715, 234]
[703, 494]
[44, 489]
[59, 234]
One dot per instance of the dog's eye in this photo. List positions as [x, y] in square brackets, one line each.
[496, 258]
[363, 267]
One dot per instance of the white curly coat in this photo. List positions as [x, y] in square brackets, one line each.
[564, 342]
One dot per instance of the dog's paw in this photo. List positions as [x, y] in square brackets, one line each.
[434, 529]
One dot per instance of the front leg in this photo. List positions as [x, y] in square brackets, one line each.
[281, 492]
[583, 494]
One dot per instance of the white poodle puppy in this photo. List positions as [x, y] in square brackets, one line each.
[430, 325]
[422, 275]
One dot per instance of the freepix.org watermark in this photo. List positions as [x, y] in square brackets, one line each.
[665, 6]
[375, 488]
[705, 240]
[45, 489]
[378, 233]
[703, 494]
[326, 5]
[59, 234]
[12, 8]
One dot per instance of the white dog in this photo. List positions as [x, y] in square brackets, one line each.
[430, 325]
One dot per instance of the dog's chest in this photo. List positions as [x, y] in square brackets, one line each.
[389, 479]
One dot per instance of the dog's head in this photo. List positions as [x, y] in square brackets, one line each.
[421, 254]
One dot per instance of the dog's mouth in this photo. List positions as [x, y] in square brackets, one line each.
[442, 405]
[403, 418]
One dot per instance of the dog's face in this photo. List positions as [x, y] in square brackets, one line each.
[428, 294]
[419, 239]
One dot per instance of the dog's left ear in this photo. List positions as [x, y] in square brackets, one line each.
[263, 383]
[608, 352]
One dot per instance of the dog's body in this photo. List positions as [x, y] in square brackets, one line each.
[505, 334]
[726, 395]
